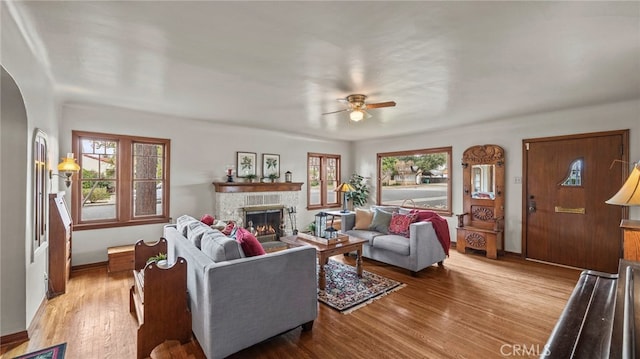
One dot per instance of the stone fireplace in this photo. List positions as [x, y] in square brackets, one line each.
[269, 202]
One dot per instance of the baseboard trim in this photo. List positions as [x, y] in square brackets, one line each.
[10, 341]
[89, 266]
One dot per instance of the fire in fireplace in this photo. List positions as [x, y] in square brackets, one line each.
[266, 223]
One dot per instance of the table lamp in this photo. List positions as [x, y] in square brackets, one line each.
[345, 188]
[629, 195]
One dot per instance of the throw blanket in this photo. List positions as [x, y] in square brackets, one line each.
[440, 225]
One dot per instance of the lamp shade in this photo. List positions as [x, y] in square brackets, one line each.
[629, 194]
[345, 187]
[68, 164]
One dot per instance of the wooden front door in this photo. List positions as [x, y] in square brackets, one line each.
[566, 182]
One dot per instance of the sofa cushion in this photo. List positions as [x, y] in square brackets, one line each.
[368, 235]
[400, 224]
[182, 222]
[364, 217]
[393, 243]
[219, 247]
[249, 243]
[381, 220]
[195, 231]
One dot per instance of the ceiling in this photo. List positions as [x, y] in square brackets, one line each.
[280, 65]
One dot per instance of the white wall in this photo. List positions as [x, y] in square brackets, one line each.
[24, 293]
[13, 150]
[200, 152]
[509, 134]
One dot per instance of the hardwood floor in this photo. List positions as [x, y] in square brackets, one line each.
[473, 307]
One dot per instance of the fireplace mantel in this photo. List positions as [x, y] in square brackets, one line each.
[238, 187]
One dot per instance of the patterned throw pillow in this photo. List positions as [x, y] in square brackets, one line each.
[400, 223]
[229, 229]
[363, 219]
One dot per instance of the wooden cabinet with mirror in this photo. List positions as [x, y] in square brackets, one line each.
[481, 226]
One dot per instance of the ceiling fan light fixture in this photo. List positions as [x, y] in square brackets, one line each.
[356, 115]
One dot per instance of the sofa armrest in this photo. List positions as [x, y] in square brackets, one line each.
[252, 299]
[348, 221]
[424, 245]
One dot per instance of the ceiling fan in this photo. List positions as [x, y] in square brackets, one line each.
[356, 105]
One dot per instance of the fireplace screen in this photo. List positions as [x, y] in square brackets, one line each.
[265, 223]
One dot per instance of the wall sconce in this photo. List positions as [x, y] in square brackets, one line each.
[345, 187]
[67, 167]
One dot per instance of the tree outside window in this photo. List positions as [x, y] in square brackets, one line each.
[416, 178]
[323, 174]
[123, 180]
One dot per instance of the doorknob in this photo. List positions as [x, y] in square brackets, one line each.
[531, 205]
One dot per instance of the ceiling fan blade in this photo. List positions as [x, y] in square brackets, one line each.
[381, 104]
[329, 113]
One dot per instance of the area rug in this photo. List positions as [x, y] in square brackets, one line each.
[346, 292]
[54, 352]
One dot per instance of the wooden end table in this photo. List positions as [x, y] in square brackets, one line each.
[325, 251]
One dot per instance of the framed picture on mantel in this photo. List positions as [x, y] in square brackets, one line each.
[270, 165]
[246, 164]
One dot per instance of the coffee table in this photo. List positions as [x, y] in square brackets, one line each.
[325, 251]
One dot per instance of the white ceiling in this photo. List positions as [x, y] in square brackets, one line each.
[279, 65]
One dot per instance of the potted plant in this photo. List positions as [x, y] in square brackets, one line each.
[360, 194]
[250, 178]
[160, 260]
[273, 177]
[311, 228]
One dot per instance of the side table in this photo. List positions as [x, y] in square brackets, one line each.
[337, 223]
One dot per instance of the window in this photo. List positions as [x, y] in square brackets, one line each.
[39, 189]
[323, 174]
[123, 180]
[416, 179]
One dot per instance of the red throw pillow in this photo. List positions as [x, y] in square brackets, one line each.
[400, 224]
[207, 219]
[229, 228]
[249, 243]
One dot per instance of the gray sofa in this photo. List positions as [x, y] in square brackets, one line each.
[239, 301]
[421, 250]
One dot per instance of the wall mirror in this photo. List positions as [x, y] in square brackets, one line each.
[483, 181]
